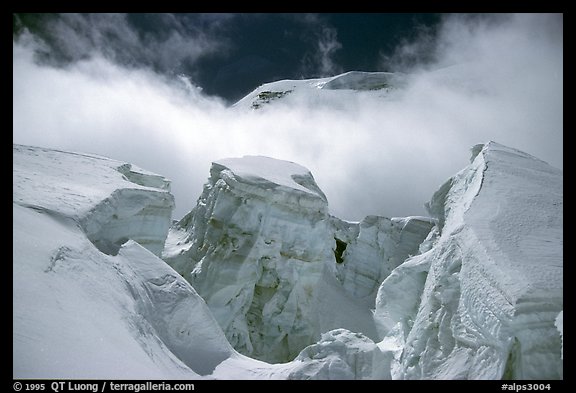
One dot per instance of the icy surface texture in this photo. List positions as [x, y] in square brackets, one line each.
[480, 302]
[560, 326]
[274, 267]
[258, 241]
[475, 292]
[341, 354]
[380, 246]
[112, 201]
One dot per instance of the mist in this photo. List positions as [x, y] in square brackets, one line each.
[486, 78]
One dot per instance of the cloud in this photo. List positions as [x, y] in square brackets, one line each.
[163, 42]
[327, 45]
[320, 60]
[496, 78]
[505, 76]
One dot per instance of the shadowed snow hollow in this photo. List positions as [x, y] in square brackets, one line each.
[482, 299]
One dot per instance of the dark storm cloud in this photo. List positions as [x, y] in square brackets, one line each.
[492, 78]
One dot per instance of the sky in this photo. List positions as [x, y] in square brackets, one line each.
[227, 54]
[156, 90]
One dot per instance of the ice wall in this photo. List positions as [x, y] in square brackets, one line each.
[482, 301]
[258, 241]
[374, 249]
[274, 267]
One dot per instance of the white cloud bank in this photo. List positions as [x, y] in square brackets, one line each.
[502, 81]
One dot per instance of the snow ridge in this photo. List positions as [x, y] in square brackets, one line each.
[481, 303]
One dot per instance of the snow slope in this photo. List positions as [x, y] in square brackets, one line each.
[81, 313]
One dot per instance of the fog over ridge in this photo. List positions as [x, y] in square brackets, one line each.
[492, 78]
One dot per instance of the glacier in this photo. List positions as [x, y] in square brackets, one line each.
[482, 302]
[259, 281]
[91, 299]
[255, 253]
[261, 248]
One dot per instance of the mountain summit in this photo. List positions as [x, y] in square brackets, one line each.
[322, 89]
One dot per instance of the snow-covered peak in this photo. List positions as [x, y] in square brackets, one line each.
[323, 90]
[495, 149]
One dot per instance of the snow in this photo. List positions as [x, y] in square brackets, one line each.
[259, 269]
[266, 172]
[323, 90]
[358, 80]
[111, 200]
[73, 314]
[380, 246]
[339, 355]
[559, 323]
[481, 302]
[82, 313]
[262, 250]
[258, 239]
